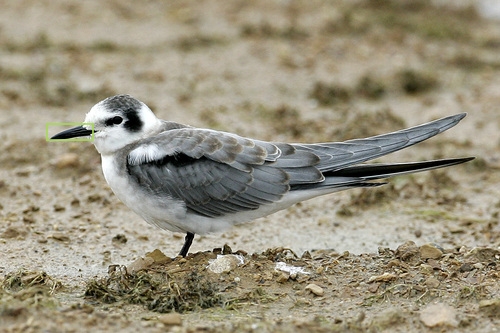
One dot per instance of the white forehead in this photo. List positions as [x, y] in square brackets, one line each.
[98, 113]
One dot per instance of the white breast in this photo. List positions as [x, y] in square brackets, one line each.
[164, 213]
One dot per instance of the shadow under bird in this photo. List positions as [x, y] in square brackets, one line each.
[198, 181]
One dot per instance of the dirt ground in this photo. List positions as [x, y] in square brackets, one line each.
[419, 254]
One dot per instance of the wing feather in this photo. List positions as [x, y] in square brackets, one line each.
[217, 173]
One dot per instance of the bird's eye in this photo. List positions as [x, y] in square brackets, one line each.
[114, 121]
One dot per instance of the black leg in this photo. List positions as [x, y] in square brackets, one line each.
[188, 240]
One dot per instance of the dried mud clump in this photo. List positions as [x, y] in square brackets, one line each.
[27, 289]
[158, 291]
[415, 82]
[329, 94]
[370, 87]
[20, 280]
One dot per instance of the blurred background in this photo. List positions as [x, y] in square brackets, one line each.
[274, 70]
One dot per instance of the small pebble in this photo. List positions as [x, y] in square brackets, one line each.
[119, 238]
[439, 315]
[483, 254]
[283, 277]
[315, 289]
[11, 232]
[426, 269]
[466, 267]
[430, 251]
[434, 264]
[140, 264]
[69, 160]
[59, 236]
[490, 307]
[224, 263]
[408, 253]
[478, 265]
[59, 208]
[158, 256]
[24, 172]
[171, 319]
[373, 287]
[382, 278]
[432, 282]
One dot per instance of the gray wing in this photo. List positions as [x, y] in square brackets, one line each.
[216, 173]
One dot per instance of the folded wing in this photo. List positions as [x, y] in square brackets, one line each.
[217, 173]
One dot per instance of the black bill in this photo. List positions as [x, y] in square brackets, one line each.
[74, 132]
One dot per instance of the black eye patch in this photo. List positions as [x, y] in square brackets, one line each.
[134, 122]
[114, 121]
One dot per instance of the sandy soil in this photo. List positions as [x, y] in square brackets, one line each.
[285, 71]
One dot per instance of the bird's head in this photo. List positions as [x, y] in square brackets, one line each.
[118, 121]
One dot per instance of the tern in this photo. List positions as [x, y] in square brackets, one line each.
[199, 181]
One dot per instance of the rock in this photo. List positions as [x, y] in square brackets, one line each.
[434, 264]
[439, 315]
[226, 249]
[430, 251]
[119, 239]
[466, 267]
[491, 307]
[94, 197]
[59, 208]
[59, 236]
[42, 240]
[315, 289]
[140, 264]
[426, 269]
[478, 265]
[373, 287]
[432, 282]
[283, 277]
[388, 319]
[382, 278]
[484, 254]
[171, 319]
[12, 232]
[158, 256]
[25, 172]
[292, 270]
[225, 263]
[408, 252]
